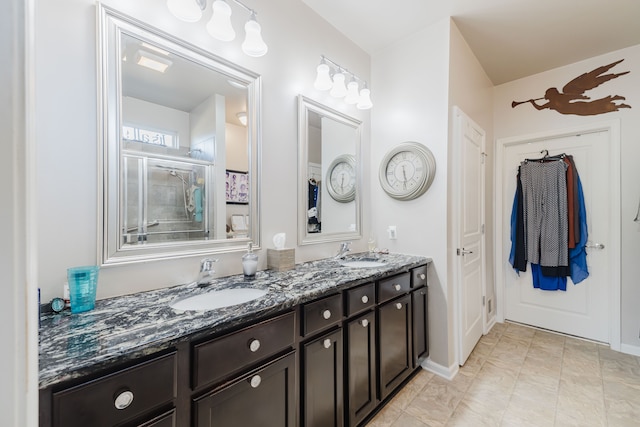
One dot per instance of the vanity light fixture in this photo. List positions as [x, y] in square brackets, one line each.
[219, 26]
[152, 61]
[336, 84]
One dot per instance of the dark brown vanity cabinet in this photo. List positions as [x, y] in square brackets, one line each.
[133, 397]
[322, 381]
[264, 397]
[322, 360]
[395, 355]
[247, 387]
[361, 375]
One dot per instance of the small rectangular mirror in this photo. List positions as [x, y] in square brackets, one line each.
[329, 205]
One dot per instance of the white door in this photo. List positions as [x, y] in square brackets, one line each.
[584, 309]
[469, 145]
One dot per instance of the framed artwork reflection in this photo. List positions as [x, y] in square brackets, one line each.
[237, 187]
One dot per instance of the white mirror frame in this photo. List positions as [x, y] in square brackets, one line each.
[111, 24]
[305, 105]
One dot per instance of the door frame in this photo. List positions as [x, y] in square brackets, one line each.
[613, 128]
[456, 181]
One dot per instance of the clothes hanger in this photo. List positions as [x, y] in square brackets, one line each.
[547, 157]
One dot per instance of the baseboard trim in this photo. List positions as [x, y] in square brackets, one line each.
[630, 349]
[445, 372]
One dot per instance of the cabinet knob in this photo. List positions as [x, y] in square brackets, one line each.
[365, 322]
[397, 287]
[326, 314]
[399, 305]
[326, 343]
[254, 345]
[255, 381]
[123, 400]
[422, 276]
[365, 299]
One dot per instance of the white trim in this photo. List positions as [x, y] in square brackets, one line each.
[445, 372]
[630, 349]
[455, 229]
[611, 126]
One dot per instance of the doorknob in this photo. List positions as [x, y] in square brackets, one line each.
[463, 251]
[595, 245]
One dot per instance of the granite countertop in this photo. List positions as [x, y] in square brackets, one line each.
[127, 327]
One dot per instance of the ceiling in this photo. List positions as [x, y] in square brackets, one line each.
[511, 38]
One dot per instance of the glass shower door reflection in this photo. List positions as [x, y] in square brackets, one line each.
[163, 200]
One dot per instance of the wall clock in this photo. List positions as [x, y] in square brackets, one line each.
[407, 171]
[341, 178]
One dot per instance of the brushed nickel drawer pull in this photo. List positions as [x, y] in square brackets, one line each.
[123, 400]
[365, 299]
[254, 345]
[326, 343]
[399, 305]
[326, 314]
[422, 276]
[397, 287]
[364, 323]
[255, 381]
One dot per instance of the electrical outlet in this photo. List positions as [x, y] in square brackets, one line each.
[393, 232]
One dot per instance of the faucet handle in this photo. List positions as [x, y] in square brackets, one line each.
[206, 265]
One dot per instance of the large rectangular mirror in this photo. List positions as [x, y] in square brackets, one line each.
[329, 206]
[179, 145]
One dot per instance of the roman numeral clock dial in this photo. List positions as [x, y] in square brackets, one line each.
[407, 171]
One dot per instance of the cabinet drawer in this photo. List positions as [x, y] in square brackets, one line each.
[419, 277]
[360, 298]
[393, 287]
[218, 358]
[322, 314]
[136, 390]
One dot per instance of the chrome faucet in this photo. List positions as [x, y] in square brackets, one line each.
[206, 272]
[344, 248]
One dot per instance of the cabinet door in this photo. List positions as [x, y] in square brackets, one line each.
[265, 398]
[361, 367]
[322, 381]
[394, 338]
[420, 325]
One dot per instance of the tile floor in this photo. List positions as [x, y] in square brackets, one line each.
[520, 376]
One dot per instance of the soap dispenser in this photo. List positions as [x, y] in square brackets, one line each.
[249, 263]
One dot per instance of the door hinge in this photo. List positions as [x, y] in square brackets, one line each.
[482, 228]
[484, 300]
[483, 155]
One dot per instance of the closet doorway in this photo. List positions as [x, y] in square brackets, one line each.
[589, 309]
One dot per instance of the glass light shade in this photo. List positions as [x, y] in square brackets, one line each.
[365, 99]
[323, 79]
[242, 117]
[219, 27]
[253, 44]
[185, 10]
[352, 93]
[338, 90]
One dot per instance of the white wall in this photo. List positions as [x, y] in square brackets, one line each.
[410, 99]
[524, 119]
[66, 159]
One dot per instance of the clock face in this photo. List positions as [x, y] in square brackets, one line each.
[407, 171]
[341, 178]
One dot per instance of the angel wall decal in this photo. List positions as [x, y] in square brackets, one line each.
[571, 99]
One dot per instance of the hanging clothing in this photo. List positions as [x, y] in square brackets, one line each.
[544, 190]
[552, 278]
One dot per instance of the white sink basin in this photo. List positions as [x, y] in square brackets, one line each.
[362, 264]
[218, 299]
